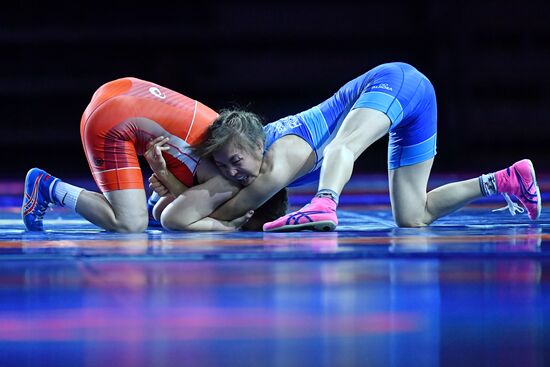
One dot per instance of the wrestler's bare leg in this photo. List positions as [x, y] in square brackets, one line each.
[118, 211]
[413, 206]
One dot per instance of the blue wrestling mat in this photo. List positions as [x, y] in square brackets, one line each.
[473, 289]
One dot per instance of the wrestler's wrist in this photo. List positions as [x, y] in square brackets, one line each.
[162, 173]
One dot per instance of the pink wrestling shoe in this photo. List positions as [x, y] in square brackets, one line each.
[519, 180]
[319, 215]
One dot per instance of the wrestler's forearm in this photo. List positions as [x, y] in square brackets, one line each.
[175, 186]
[249, 198]
[198, 202]
[234, 208]
[208, 224]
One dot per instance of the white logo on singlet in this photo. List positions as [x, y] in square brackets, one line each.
[157, 93]
[286, 123]
[383, 86]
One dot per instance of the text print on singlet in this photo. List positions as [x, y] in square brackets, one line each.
[287, 123]
[157, 93]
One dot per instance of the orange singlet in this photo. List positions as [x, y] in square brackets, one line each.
[124, 115]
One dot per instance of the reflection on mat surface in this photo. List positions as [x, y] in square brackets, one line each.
[472, 289]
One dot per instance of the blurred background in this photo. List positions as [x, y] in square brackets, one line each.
[489, 62]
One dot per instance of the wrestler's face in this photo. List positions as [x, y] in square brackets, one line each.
[238, 164]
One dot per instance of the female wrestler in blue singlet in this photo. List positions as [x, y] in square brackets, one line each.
[322, 143]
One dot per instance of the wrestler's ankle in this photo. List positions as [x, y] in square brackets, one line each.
[327, 193]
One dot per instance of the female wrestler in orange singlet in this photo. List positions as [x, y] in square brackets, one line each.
[122, 119]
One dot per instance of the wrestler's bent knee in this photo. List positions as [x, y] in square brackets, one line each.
[171, 223]
[136, 225]
[410, 222]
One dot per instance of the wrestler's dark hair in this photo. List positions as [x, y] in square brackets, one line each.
[272, 209]
[238, 126]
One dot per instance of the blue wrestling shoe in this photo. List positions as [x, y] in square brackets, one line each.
[38, 196]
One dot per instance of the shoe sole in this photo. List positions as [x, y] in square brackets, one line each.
[24, 202]
[539, 202]
[322, 226]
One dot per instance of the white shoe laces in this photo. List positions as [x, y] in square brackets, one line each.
[512, 206]
[41, 210]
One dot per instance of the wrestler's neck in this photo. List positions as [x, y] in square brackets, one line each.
[206, 169]
[267, 162]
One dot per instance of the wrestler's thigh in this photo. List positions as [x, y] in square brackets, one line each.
[361, 128]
